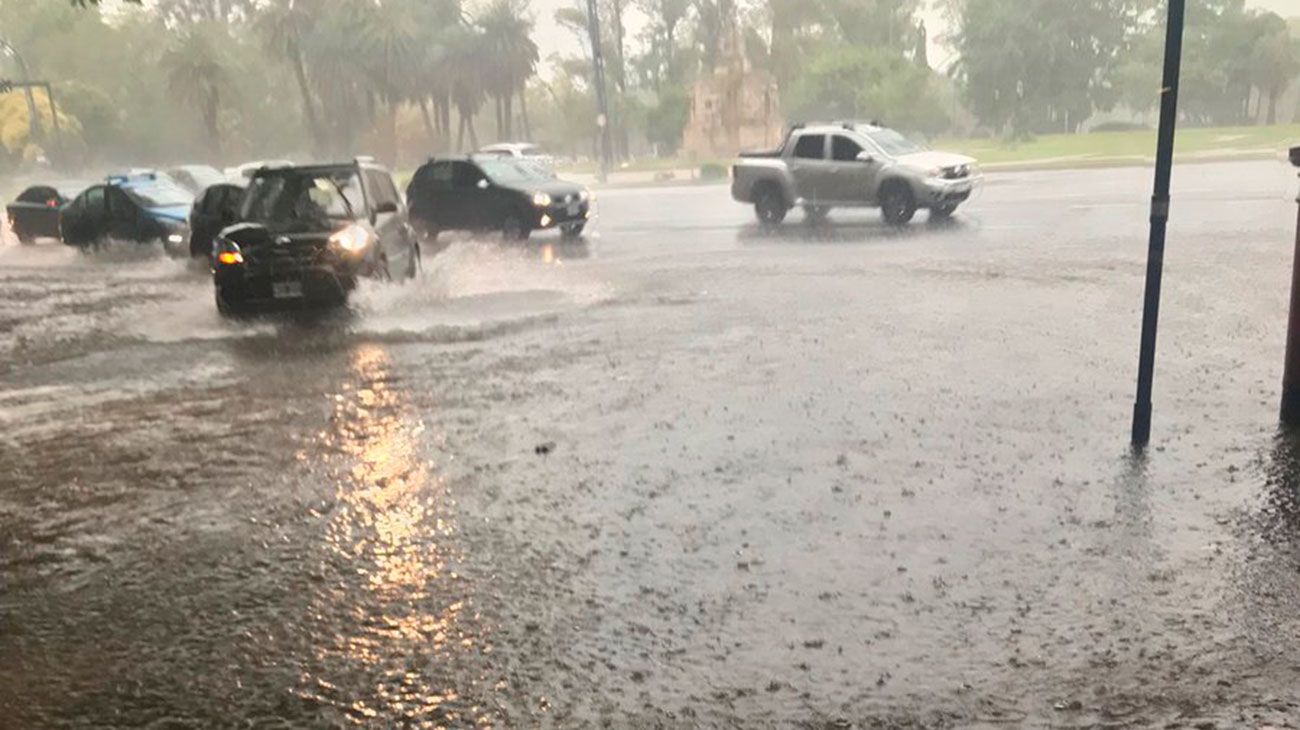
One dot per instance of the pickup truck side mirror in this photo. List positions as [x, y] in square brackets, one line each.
[865, 156]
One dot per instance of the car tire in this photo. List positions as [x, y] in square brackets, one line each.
[227, 309]
[513, 229]
[572, 231]
[769, 205]
[943, 212]
[897, 204]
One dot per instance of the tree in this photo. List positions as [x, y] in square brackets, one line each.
[510, 57]
[852, 82]
[283, 24]
[1231, 56]
[1025, 66]
[197, 75]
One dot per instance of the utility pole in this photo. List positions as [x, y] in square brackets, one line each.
[598, 76]
[1159, 221]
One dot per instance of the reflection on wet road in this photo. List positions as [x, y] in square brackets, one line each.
[691, 473]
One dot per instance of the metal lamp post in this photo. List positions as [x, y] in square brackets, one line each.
[1159, 221]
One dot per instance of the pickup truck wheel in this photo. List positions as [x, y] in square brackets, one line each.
[897, 204]
[770, 205]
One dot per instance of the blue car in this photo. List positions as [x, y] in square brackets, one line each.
[142, 208]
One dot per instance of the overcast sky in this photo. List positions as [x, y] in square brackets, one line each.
[552, 39]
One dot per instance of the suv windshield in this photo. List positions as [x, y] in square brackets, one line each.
[891, 142]
[509, 171]
[304, 197]
[158, 194]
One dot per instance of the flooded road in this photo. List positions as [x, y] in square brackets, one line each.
[689, 474]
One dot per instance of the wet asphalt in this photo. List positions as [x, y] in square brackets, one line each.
[687, 473]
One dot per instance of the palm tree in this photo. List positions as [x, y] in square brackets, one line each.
[390, 38]
[332, 51]
[283, 24]
[196, 74]
[512, 54]
[465, 60]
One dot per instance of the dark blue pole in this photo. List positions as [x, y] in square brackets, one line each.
[1159, 221]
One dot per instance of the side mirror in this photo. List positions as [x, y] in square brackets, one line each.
[386, 208]
[483, 184]
[865, 156]
[1295, 156]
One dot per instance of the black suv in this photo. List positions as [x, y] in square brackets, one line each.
[307, 234]
[515, 197]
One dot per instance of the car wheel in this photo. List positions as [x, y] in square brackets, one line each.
[571, 231]
[513, 229]
[229, 310]
[943, 212]
[769, 205]
[897, 204]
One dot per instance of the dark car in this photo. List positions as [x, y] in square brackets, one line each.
[308, 233]
[217, 208]
[196, 178]
[141, 208]
[35, 212]
[494, 194]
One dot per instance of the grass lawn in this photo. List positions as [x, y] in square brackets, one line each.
[1101, 146]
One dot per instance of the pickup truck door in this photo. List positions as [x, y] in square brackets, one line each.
[854, 177]
[809, 168]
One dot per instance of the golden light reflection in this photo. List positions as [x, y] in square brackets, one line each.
[392, 530]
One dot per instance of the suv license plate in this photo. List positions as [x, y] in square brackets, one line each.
[573, 209]
[286, 289]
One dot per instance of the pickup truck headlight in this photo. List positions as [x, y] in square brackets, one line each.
[541, 200]
[352, 239]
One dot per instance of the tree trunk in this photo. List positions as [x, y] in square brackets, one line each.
[446, 123]
[473, 136]
[212, 120]
[390, 134]
[523, 112]
[508, 114]
[428, 123]
[308, 106]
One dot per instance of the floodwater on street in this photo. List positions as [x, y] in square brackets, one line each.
[690, 473]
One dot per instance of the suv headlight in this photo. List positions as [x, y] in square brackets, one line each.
[541, 200]
[352, 239]
[584, 195]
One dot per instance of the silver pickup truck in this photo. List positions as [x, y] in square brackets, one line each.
[843, 165]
